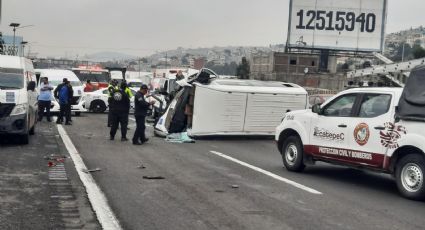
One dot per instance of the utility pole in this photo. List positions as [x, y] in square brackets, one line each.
[166, 60]
[14, 25]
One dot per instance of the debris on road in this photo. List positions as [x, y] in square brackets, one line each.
[153, 177]
[234, 186]
[141, 166]
[91, 170]
[57, 158]
[219, 191]
[179, 138]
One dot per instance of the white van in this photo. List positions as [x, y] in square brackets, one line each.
[230, 107]
[56, 77]
[18, 97]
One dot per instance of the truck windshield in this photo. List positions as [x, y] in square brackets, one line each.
[11, 79]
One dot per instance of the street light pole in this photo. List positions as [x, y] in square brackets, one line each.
[14, 25]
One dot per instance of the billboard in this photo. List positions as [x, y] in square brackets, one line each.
[346, 25]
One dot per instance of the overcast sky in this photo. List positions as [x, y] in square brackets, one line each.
[142, 27]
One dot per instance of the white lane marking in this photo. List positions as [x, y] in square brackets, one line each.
[147, 125]
[97, 198]
[267, 173]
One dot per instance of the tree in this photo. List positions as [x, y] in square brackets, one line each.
[243, 69]
[144, 60]
[400, 55]
[418, 52]
[184, 60]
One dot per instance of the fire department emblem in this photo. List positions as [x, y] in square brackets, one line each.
[362, 134]
[391, 135]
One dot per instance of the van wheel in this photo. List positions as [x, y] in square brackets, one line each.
[77, 114]
[32, 130]
[25, 139]
[292, 154]
[98, 106]
[410, 176]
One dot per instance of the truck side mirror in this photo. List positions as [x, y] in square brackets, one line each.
[316, 109]
[31, 86]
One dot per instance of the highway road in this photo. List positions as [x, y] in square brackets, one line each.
[233, 183]
[228, 183]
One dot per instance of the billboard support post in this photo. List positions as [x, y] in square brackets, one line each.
[324, 60]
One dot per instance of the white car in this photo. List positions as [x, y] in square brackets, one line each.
[134, 84]
[97, 101]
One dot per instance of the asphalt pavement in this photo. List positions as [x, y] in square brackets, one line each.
[38, 197]
[233, 183]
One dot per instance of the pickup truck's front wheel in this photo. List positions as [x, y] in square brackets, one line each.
[410, 176]
[292, 154]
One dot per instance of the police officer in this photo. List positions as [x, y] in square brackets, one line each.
[119, 107]
[141, 108]
[112, 87]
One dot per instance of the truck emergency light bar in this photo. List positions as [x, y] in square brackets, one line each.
[387, 68]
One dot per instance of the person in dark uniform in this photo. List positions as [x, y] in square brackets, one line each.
[64, 94]
[112, 87]
[141, 109]
[119, 107]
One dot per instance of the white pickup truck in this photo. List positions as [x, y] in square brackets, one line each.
[359, 128]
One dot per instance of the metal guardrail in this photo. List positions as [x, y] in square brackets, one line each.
[387, 69]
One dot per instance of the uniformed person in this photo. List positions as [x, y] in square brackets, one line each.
[119, 107]
[141, 108]
[112, 87]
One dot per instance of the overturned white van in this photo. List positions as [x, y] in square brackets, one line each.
[210, 106]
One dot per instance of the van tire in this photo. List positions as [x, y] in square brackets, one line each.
[25, 139]
[409, 174]
[98, 106]
[32, 130]
[293, 154]
[77, 114]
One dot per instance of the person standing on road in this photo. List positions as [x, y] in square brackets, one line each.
[127, 90]
[64, 94]
[44, 99]
[119, 108]
[113, 86]
[141, 109]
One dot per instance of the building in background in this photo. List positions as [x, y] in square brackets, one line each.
[302, 69]
[8, 45]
